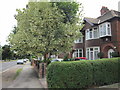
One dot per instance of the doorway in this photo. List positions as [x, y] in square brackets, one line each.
[110, 51]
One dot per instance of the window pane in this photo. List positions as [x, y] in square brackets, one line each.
[95, 55]
[101, 30]
[90, 34]
[88, 55]
[108, 29]
[96, 48]
[104, 29]
[80, 54]
[91, 55]
[91, 49]
[95, 34]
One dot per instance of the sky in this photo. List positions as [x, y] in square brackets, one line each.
[8, 10]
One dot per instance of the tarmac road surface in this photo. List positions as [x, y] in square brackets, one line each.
[6, 65]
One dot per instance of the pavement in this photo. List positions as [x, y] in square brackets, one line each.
[43, 82]
[116, 85]
[27, 79]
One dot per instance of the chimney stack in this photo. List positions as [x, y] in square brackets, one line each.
[104, 10]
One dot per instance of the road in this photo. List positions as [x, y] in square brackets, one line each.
[6, 65]
[27, 78]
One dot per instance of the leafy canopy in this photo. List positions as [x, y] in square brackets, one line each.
[43, 28]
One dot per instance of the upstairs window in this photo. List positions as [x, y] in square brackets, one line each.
[80, 40]
[92, 33]
[109, 29]
[105, 29]
[95, 33]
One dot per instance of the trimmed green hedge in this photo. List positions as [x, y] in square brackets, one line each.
[83, 74]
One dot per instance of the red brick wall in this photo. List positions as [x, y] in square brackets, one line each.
[78, 45]
[118, 35]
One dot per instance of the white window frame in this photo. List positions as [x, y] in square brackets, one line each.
[88, 31]
[103, 29]
[74, 53]
[88, 52]
[97, 32]
[80, 40]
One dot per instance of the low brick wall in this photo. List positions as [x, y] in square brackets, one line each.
[40, 68]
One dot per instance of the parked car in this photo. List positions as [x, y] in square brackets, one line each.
[69, 59]
[24, 60]
[57, 60]
[80, 58]
[20, 61]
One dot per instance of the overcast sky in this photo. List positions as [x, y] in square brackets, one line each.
[8, 10]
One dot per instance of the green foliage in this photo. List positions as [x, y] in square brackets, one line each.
[69, 59]
[105, 72]
[100, 54]
[115, 54]
[66, 56]
[41, 30]
[6, 52]
[69, 74]
[83, 74]
[17, 73]
[70, 9]
[1, 50]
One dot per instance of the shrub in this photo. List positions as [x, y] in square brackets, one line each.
[115, 54]
[69, 74]
[100, 54]
[69, 59]
[66, 56]
[105, 71]
[83, 74]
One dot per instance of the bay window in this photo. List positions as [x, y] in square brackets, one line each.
[105, 29]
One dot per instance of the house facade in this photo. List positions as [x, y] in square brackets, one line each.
[100, 35]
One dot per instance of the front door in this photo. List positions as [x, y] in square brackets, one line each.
[110, 51]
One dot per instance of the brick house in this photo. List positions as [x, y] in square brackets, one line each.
[100, 34]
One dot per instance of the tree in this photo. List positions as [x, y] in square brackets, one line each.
[0, 52]
[41, 30]
[70, 9]
[6, 53]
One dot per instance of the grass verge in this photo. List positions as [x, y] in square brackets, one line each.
[17, 73]
[7, 61]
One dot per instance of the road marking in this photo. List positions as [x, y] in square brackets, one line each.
[4, 71]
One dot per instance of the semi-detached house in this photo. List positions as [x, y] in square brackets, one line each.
[100, 34]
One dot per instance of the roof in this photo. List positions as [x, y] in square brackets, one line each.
[107, 16]
[91, 20]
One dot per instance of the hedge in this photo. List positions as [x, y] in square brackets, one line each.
[83, 74]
